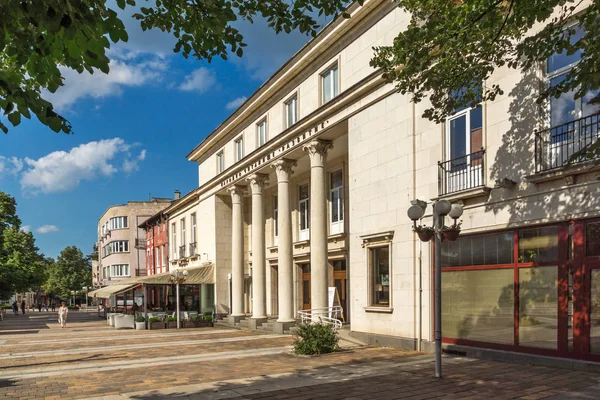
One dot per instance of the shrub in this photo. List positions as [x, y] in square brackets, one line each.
[315, 339]
[208, 318]
[140, 318]
[171, 319]
[5, 306]
[153, 319]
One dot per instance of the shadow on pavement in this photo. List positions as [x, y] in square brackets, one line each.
[94, 357]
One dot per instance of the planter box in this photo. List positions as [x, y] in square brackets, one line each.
[188, 324]
[172, 325]
[156, 325]
[140, 326]
[204, 324]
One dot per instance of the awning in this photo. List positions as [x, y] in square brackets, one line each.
[106, 292]
[196, 276]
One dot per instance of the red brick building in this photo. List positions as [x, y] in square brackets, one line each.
[157, 244]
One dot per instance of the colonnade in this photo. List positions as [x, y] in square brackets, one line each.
[284, 169]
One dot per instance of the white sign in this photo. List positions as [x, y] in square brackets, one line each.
[139, 301]
[331, 297]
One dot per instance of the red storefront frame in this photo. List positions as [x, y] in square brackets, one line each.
[579, 266]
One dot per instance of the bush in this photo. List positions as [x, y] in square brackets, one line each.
[171, 319]
[140, 318]
[208, 318]
[5, 306]
[315, 339]
[153, 319]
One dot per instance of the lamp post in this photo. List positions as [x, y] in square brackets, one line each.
[178, 276]
[85, 289]
[441, 208]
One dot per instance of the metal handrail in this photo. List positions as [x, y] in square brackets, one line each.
[461, 173]
[193, 249]
[182, 251]
[565, 144]
[322, 314]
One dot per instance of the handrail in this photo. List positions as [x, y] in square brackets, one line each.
[461, 173]
[322, 314]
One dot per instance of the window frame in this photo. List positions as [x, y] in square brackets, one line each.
[304, 234]
[174, 239]
[335, 82]
[124, 270]
[182, 233]
[370, 272]
[260, 123]
[275, 222]
[293, 98]
[220, 161]
[193, 237]
[238, 148]
[336, 227]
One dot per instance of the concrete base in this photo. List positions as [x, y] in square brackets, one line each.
[280, 327]
[254, 323]
[392, 341]
[235, 319]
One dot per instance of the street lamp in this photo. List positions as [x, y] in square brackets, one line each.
[441, 208]
[178, 276]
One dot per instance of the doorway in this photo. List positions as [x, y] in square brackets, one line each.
[305, 286]
[340, 281]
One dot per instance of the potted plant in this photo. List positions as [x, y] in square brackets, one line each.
[140, 322]
[451, 233]
[425, 232]
[171, 323]
[155, 323]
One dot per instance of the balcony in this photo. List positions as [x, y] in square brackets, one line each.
[561, 145]
[465, 174]
[182, 251]
[193, 250]
[140, 243]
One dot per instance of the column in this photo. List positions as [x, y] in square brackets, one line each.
[317, 151]
[237, 251]
[259, 305]
[283, 169]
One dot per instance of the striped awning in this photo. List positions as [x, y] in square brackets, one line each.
[106, 292]
[196, 275]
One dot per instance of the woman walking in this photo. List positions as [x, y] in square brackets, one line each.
[62, 315]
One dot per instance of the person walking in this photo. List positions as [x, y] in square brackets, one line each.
[23, 307]
[15, 308]
[39, 307]
[63, 311]
[53, 307]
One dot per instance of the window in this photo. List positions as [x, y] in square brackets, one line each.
[157, 260]
[291, 112]
[193, 223]
[118, 223]
[118, 246]
[329, 84]
[220, 162]
[492, 249]
[304, 212]
[275, 223]
[336, 196]
[538, 244]
[379, 260]
[120, 270]
[239, 148]
[174, 240]
[182, 246]
[261, 133]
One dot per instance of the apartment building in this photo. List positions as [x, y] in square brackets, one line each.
[306, 187]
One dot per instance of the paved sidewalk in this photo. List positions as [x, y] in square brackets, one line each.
[38, 360]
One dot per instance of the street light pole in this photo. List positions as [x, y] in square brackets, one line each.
[177, 289]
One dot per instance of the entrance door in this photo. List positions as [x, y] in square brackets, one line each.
[341, 285]
[305, 286]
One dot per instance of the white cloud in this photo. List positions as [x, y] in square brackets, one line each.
[132, 165]
[142, 155]
[47, 229]
[10, 166]
[199, 80]
[26, 228]
[235, 103]
[62, 171]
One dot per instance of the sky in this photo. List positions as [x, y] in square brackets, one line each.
[133, 129]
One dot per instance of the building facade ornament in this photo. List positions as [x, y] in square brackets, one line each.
[284, 168]
[258, 182]
[317, 151]
[237, 192]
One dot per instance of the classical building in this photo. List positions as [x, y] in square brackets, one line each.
[121, 242]
[306, 187]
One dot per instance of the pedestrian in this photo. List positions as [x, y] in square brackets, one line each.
[63, 311]
[15, 308]
[53, 307]
[23, 306]
[46, 306]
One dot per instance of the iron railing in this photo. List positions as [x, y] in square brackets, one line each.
[193, 249]
[461, 173]
[140, 243]
[182, 251]
[565, 144]
[324, 315]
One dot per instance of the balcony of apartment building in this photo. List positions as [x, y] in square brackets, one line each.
[140, 243]
[182, 253]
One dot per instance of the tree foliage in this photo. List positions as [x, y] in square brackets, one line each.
[451, 48]
[41, 37]
[71, 271]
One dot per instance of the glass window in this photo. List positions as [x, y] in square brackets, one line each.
[538, 244]
[538, 307]
[291, 111]
[193, 233]
[275, 216]
[261, 133]
[478, 305]
[239, 149]
[561, 60]
[380, 275]
[592, 239]
[492, 249]
[174, 240]
[336, 197]
[329, 84]
[304, 212]
[220, 162]
[595, 311]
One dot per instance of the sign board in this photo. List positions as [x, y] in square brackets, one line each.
[139, 301]
[333, 300]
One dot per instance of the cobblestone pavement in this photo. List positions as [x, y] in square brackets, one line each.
[39, 360]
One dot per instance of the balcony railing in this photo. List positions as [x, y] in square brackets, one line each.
[461, 173]
[561, 145]
[193, 249]
[182, 251]
[140, 243]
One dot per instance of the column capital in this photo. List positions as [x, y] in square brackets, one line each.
[237, 191]
[283, 168]
[257, 182]
[317, 151]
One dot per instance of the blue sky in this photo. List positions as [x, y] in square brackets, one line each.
[133, 129]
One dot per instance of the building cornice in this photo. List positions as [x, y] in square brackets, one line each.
[332, 33]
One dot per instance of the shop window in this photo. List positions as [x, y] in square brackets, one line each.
[478, 305]
[595, 312]
[379, 260]
[492, 249]
[538, 307]
[538, 244]
[592, 239]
